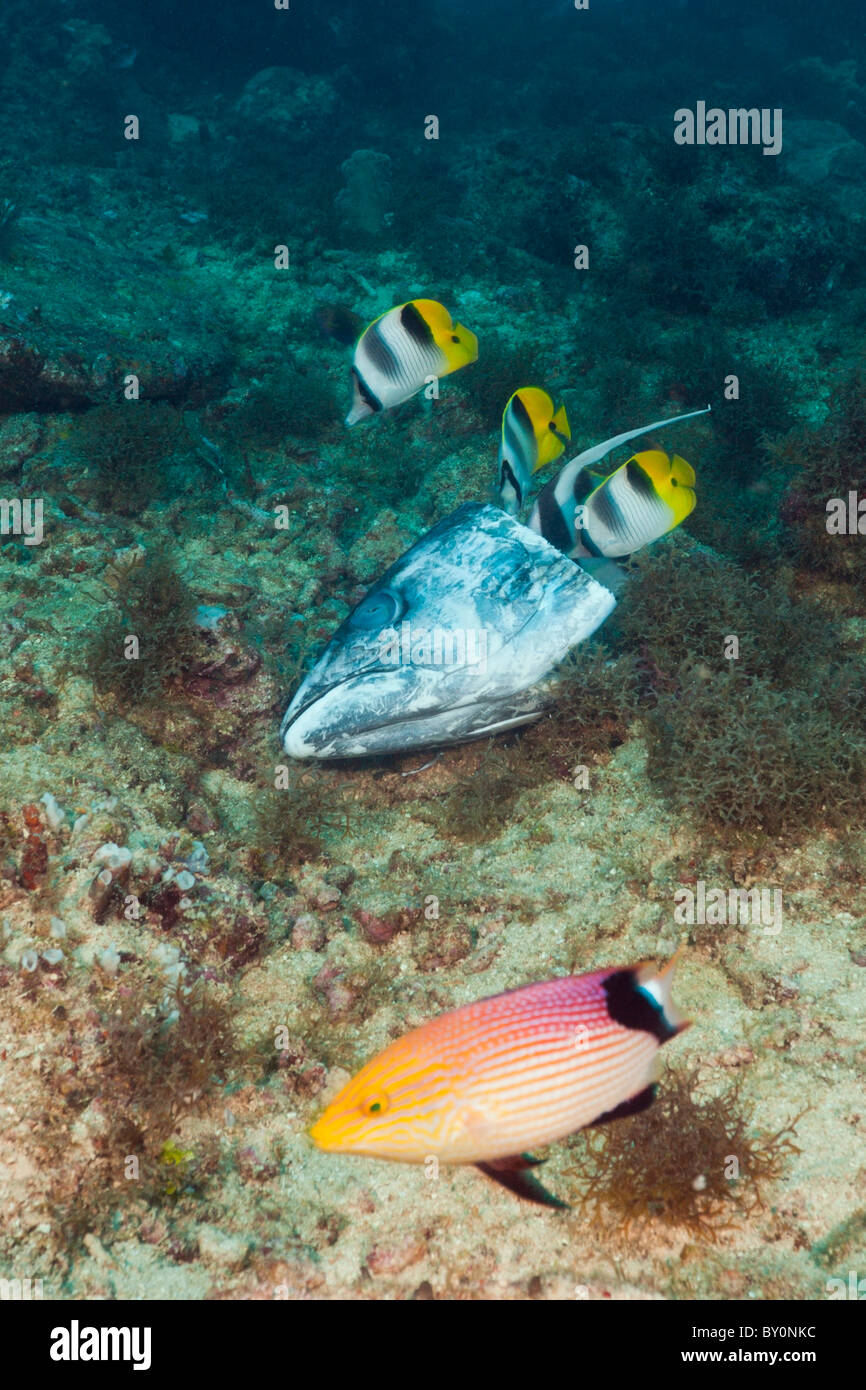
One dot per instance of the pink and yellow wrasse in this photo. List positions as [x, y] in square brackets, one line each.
[486, 1081]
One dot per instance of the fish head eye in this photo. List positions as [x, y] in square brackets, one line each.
[377, 610]
[455, 337]
[374, 1105]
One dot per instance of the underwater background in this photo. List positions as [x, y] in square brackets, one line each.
[201, 208]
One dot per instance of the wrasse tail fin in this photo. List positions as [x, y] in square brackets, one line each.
[515, 1174]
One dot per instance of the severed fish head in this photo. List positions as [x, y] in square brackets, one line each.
[454, 642]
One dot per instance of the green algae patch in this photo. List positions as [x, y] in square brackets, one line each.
[753, 701]
[129, 448]
[145, 638]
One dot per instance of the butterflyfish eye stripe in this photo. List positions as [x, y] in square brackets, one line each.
[415, 326]
[521, 415]
[641, 482]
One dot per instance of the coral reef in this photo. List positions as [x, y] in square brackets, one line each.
[292, 822]
[365, 201]
[822, 463]
[743, 732]
[476, 806]
[198, 942]
[129, 449]
[152, 1070]
[292, 400]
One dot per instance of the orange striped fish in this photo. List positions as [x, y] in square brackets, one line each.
[486, 1081]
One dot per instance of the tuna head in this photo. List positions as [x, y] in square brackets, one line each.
[449, 645]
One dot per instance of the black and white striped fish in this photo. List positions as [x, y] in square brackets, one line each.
[534, 433]
[404, 350]
[583, 513]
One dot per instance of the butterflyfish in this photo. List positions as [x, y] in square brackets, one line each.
[534, 433]
[583, 512]
[404, 350]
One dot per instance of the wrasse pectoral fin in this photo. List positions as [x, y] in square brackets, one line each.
[642, 1101]
[514, 1173]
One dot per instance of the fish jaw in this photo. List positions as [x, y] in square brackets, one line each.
[357, 718]
[375, 712]
[506, 606]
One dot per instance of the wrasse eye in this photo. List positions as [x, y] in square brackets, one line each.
[375, 1105]
[455, 338]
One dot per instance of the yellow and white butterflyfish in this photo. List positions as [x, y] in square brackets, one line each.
[534, 433]
[641, 501]
[402, 350]
[582, 513]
